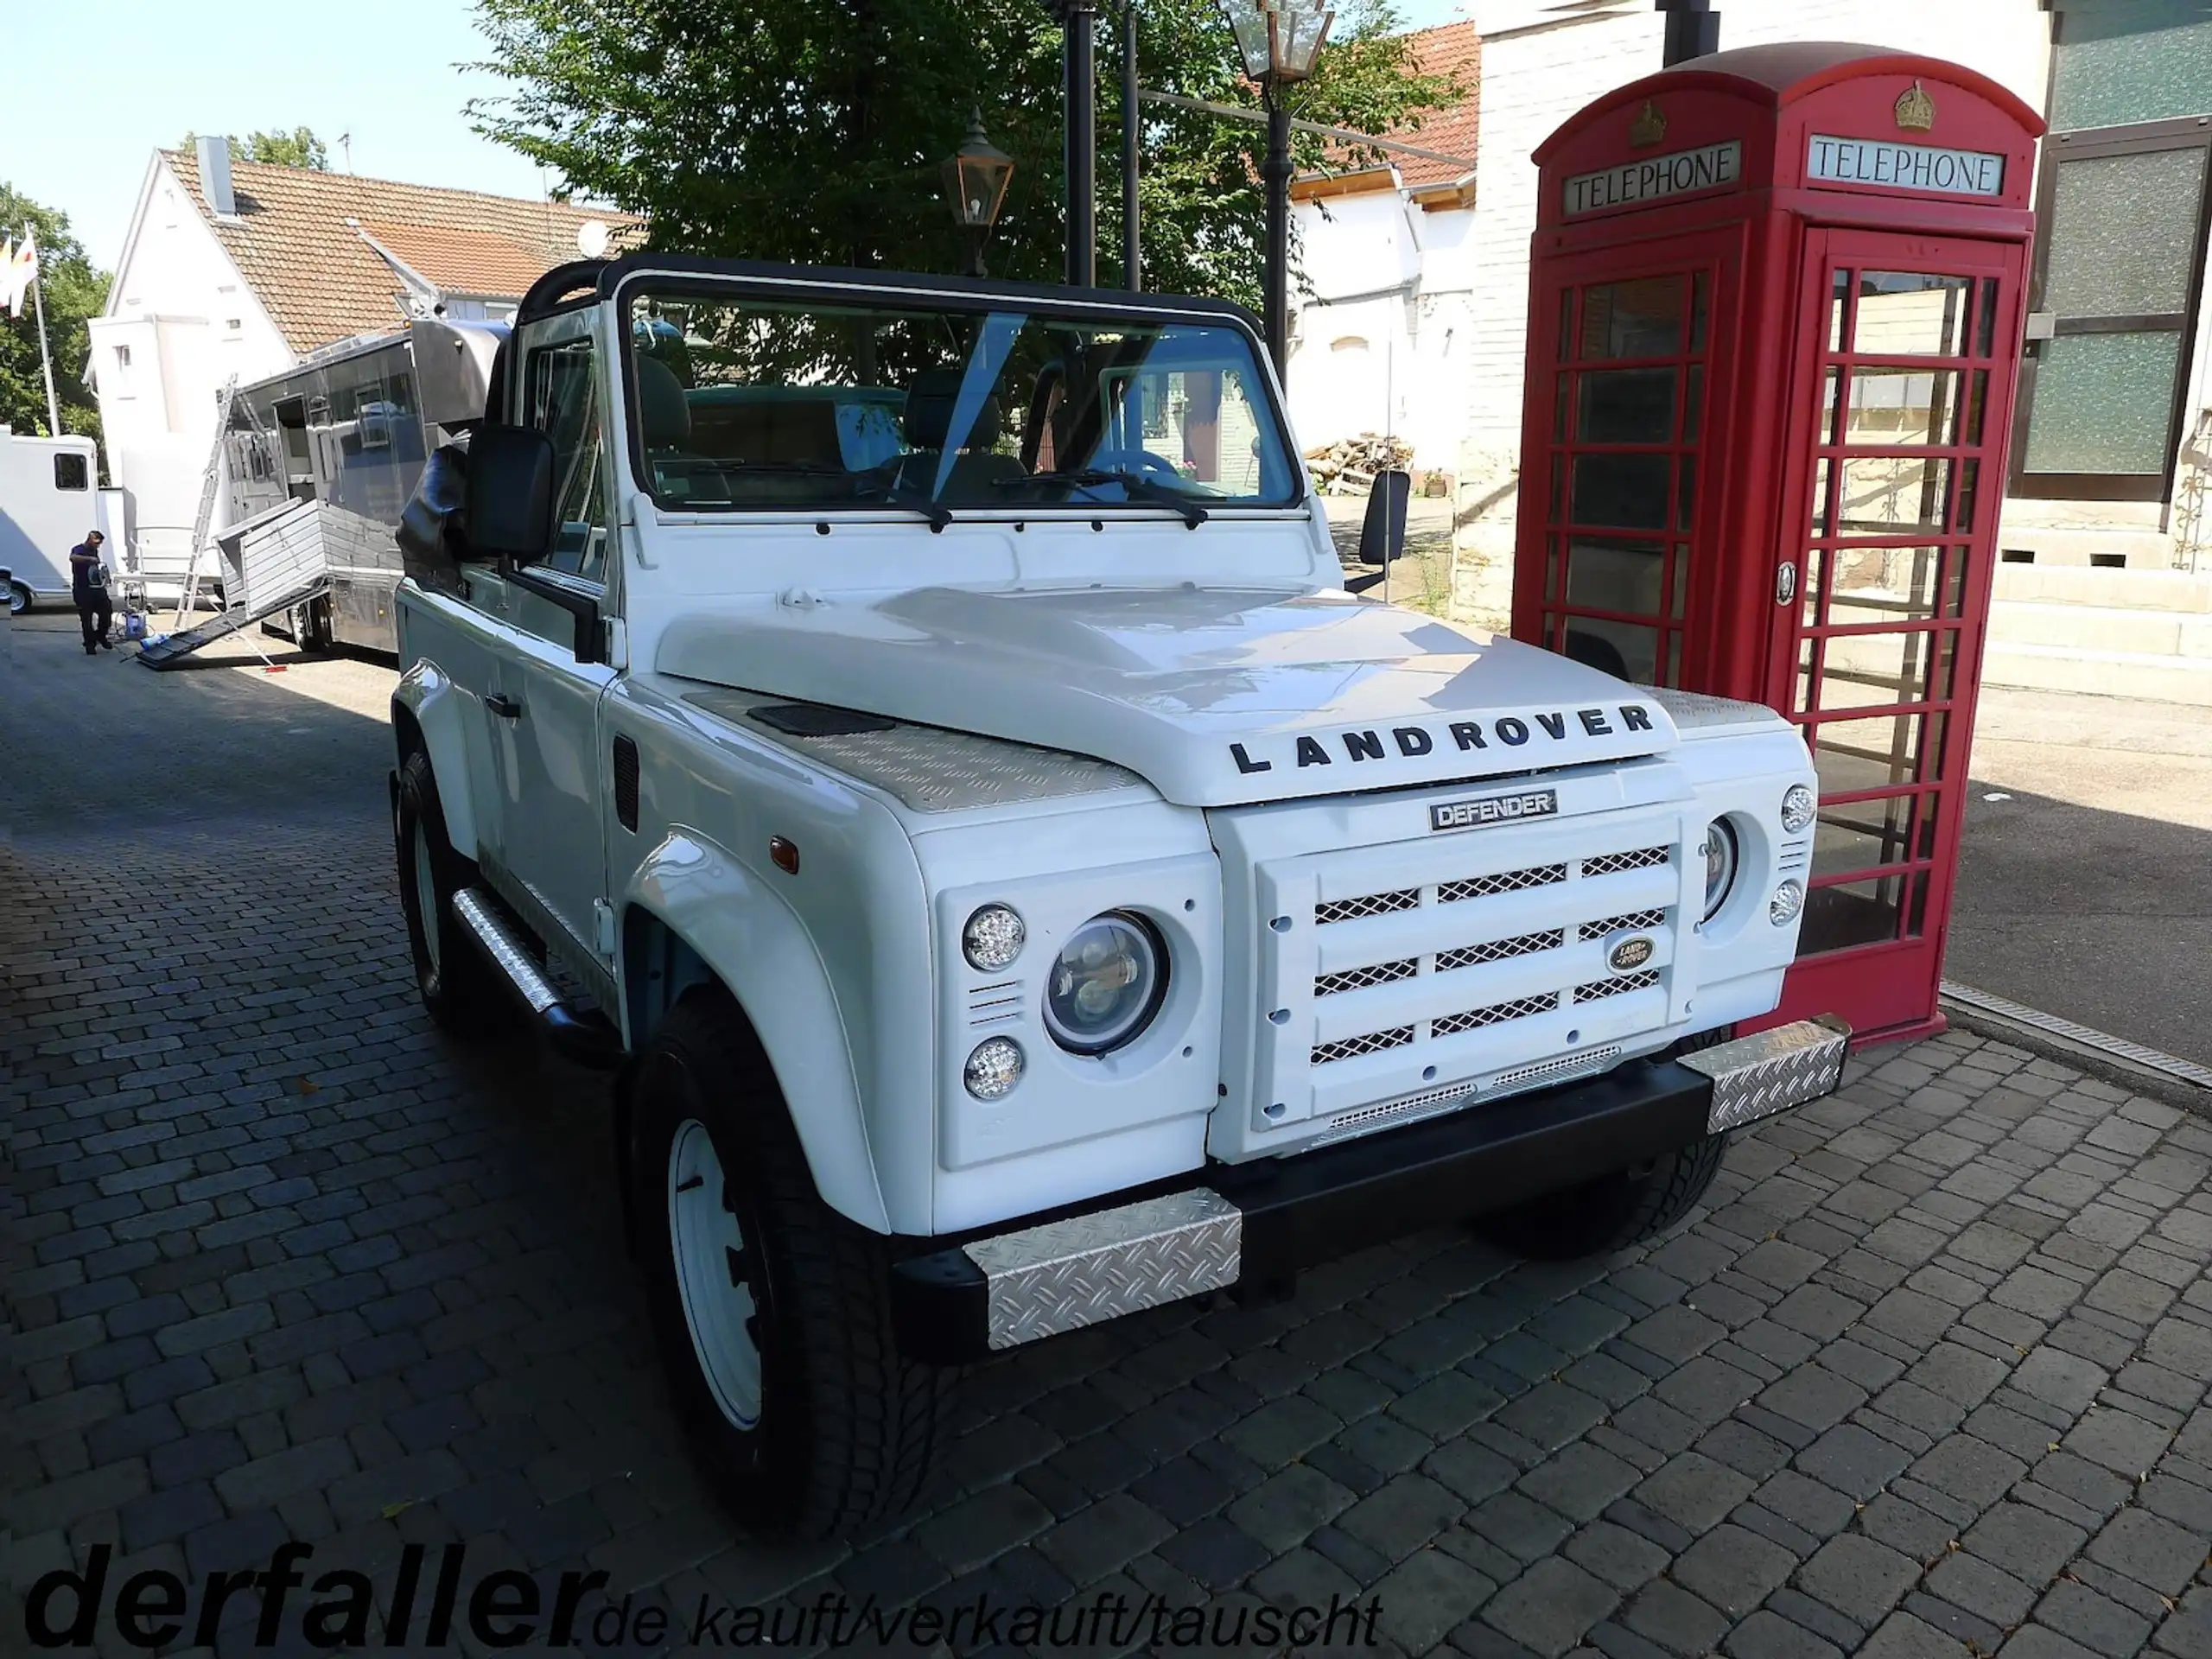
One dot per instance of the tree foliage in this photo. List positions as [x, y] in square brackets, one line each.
[73, 292]
[298, 147]
[812, 130]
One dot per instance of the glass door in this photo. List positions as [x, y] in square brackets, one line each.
[1906, 408]
[1625, 428]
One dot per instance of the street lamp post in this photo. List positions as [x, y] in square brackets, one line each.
[1079, 67]
[975, 178]
[1277, 42]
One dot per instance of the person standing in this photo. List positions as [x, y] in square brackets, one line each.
[88, 586]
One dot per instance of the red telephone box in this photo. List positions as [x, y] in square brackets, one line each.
[1775, 315]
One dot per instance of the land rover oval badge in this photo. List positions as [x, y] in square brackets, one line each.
[1630, 953]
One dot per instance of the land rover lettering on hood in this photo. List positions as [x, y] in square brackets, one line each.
[917, 738]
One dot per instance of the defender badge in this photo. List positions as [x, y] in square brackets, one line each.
[1492, 809]
[1648, 127]
[1915, 110]
[1630, 953]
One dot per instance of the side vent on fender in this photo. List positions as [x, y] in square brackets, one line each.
[626, 783]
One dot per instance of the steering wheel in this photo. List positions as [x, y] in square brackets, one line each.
[1141, 461]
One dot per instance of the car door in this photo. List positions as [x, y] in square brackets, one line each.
[545, 712]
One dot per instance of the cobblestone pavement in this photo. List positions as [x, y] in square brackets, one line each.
[1926, 1375]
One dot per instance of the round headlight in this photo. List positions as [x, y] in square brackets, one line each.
[992, 938]
[1719, 865]
[994, 1069]
[1789, 898]
[1797, 809]
[1107, 984]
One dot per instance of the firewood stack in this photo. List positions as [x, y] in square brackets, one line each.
[1348, 466]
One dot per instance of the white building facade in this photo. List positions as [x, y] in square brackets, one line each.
[2113, 442]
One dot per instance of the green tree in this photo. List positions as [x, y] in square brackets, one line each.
[73, 292]
[811, 131]
[298, 147]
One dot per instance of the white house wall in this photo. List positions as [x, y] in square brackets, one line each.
[1540, 64]
[189, 320]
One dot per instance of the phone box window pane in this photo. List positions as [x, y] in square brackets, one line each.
[1552, 562]
[1609, 574]
[1977, 404]
[1831, 394]
[1693, 403]
[1630, 491]
[1685, 492]
[1853, 755]
[1700, 303]
[1566, 324]
[1626, 406]
[1875, 584]
[1808, 655]
[1888, 495]
[1889, 406]
[1823, 514]
[1863, 836]
[1559, 476]
[1911, 314]
[1969, 480]
[1872, 671]
[1563, 407]
[1815, 583]
[1674, 660]
[1624, 650]
[1985, 330]
[1681, 579]
[1639, 318]
[1854, 913]
[1838, 307]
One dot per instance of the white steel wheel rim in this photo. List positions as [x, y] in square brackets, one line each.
[19, 600]
[710, 1249]
[426, 895]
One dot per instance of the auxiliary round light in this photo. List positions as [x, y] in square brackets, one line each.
[1789, 899]
[994, 1069]
[992, 938]
[1797, 809]
[1107, 984]
[1720, 861]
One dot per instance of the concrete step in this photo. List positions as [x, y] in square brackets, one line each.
[2101, 628]
[2155, 676]
[2140, 590]
[2143, 546]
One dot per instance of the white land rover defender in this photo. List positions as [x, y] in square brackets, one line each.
[915, 732]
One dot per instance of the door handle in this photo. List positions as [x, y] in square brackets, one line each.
[504, 706]
[1785, 584]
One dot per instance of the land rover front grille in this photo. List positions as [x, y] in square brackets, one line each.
[1353, 1047]
[1502, 962]
[1642, 858]
[1599, 988]
[1374, 904]
[1498, 950]
[1616, 924]
[1359, 978]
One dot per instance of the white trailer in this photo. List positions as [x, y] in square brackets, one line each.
[49, 497]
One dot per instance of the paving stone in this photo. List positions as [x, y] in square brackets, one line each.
[1425, 1597]
[2098, 1623]
[1733, 1568]
[1622, 1558]
[1694, 1491]
[1282, 1513]
[1767, 1635]
[1549, 1608]
[2151, 1550]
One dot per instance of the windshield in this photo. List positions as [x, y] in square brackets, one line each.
[751, 403]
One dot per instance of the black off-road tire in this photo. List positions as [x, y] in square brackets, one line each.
[1612, 1212]
[845, 1425]
[460, 989]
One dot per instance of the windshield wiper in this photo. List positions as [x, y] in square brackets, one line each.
[902, 495]
[1135, 485]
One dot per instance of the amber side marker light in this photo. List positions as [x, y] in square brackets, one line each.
[785, 854]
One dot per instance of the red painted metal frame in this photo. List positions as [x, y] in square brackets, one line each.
[1769, 239]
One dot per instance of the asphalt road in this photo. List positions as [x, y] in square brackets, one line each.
[2085, 882]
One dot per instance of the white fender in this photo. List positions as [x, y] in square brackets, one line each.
[439, 710]
[754, 944]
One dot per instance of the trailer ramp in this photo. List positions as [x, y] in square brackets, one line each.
[272, 561]
[169, 651]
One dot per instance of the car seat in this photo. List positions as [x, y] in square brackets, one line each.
[927, 423]
[664, 426]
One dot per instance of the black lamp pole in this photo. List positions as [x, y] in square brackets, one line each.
[1079, 63]
[1275, 173]
[1692, 29]
[1132, 244]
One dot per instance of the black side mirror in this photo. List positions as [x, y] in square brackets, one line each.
[1382, 536]
[509, 493]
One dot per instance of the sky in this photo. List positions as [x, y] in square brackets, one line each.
[113, 81]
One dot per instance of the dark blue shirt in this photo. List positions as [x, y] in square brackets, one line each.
[85, 580]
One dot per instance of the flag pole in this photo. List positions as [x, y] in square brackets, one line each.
[46, 356]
